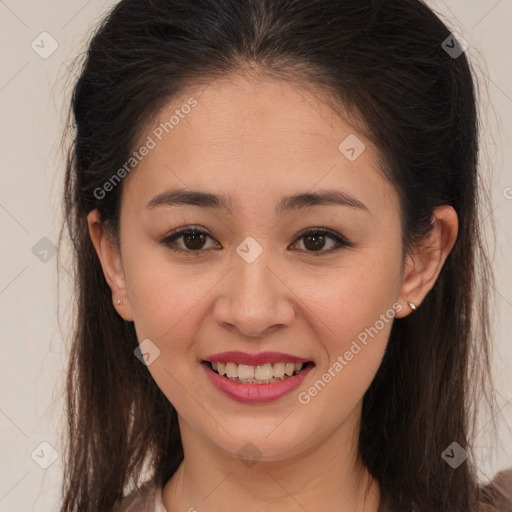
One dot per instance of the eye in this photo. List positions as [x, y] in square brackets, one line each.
[194, 238]
[315, 240]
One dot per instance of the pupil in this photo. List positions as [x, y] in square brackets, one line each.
[194, 234]
[317, 238]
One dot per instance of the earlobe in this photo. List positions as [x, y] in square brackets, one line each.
[109, 256]
[424, 264]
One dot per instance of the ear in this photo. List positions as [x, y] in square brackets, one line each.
[424, 264]
[110, 258]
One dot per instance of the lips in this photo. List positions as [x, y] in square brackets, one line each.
[238, 357]
[255, 393]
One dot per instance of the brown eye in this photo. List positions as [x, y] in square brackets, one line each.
[193, 240]
[315, 239]
[314, 242]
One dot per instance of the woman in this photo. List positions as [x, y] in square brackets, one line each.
[274, 207]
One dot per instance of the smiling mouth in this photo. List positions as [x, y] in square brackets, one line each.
[261, 374]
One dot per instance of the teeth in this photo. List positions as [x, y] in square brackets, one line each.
[245, 371]
[262, 373]
[279, 370]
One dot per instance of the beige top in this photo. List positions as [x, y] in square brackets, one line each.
[149, 497]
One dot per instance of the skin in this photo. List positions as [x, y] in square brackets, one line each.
[259, 140]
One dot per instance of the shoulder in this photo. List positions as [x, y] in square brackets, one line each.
[496, 496]
[142, 498]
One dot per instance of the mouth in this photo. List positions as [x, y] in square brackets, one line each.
[267, 373]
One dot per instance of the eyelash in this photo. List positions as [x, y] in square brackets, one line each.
[180, 232]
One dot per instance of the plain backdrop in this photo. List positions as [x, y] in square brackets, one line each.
[35, 81]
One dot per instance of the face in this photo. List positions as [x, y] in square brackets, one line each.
[249, 280]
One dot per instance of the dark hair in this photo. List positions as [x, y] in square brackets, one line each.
[383, 63]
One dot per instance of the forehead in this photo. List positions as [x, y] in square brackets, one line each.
[255, 141]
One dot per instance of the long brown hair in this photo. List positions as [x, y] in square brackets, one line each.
[385, 62]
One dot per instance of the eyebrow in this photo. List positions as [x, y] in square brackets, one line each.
[298, 201]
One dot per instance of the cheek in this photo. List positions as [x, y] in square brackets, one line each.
[352, 314]
[348, 299]
[164, 295]
[165, 300]
[353, 331]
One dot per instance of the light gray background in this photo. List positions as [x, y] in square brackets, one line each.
[34, 95]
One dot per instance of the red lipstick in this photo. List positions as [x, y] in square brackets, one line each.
[255, 393]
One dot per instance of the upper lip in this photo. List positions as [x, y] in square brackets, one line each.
[254, 359]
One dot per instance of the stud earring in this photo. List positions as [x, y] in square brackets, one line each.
[119, 301]
[411, 305]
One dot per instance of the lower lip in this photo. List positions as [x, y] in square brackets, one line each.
[255, 393]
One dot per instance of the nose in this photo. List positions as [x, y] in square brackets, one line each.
[254, 299]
